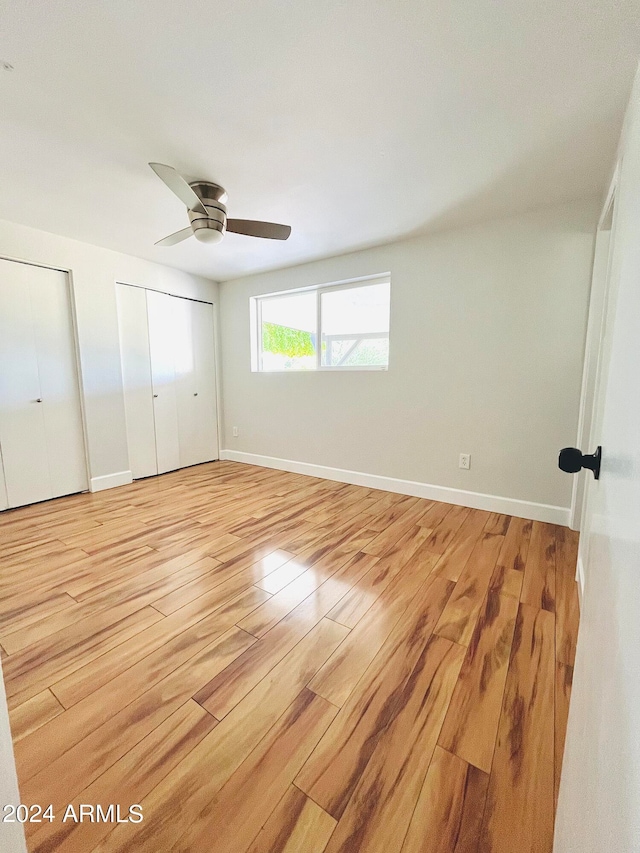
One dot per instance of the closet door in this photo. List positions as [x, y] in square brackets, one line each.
[169, 376]
[163, 323]
[57, 368]
[40, 422]
[205, 440]
[22, 435]
[195, 383]
[136, 379]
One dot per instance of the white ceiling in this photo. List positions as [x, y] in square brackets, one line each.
[354, 121]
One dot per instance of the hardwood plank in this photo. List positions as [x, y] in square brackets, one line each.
[211, 764]
[448, 814]
[77, 622]
[261, 780]
[567, 604]
[498, 524]
[44, 746]
[516, 545]
[331, 775]
[386, 539]
[33, 714]
[520, 800]
[284, 576]
[224, 691]
[297, 824]
[353, 606]
[508, 575]
[341, 673]
[434, 514]
[16, 614]
[539, 587]
[456, 554]
[458, 620]
[341, 565]
[39, 665]
[378, 814]
[140, 590]
[72, 769]
[564, 681]
[229, 605]
[471, 725]
[147, 586]
[395, 507]
[188, 592]
[128, 780]
[444, 532]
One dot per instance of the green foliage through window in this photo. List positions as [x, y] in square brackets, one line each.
[283, 340]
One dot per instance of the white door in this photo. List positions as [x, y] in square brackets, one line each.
[599, 802]
[162, 329]
[40, 420]
[196, 386]
[57, 368]
[136, 379]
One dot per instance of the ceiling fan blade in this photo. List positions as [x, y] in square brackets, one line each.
[179, 186]
[176, 237]
[253, 228]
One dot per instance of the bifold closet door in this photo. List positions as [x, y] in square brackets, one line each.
[136, 379]
[164, 315]
[183, 379]
[41, 437]
[168, 367]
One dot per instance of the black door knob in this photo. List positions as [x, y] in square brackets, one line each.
[572, 460]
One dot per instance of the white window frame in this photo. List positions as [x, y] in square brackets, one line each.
[255, 314]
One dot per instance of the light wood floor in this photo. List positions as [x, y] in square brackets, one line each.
[270, 662]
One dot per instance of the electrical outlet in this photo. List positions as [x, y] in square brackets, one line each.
[465, 461]
[235, 433]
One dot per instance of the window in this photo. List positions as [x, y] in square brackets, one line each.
[333, 327]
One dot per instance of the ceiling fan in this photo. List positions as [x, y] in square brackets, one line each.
[208, 214]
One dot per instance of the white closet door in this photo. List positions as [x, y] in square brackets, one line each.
[195, 381]
[162, 325]
[136, 378]
[40, 421]
[60, 390]
[203, 440]
[22, 435]
[184, 361]
[168, 368]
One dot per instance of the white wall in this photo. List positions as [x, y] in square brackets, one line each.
[94, 273]
[487, 339]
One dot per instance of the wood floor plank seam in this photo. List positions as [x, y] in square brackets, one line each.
[193, 624]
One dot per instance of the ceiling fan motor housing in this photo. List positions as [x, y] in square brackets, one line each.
[209, 229]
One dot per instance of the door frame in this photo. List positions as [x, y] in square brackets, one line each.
[71, 298]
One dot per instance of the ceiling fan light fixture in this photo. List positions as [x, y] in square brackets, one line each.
[208, 235]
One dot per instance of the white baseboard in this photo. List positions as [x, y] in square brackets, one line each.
[110, 481]
[475, 500]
